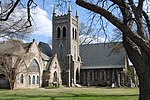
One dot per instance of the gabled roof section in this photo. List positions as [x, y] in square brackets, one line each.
[101, 56]
[26, 46]
[46, 51]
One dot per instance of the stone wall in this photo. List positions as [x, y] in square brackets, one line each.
[102, 77]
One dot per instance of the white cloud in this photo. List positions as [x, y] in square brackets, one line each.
[146, 6]
[89, 39]
[43, 25]
[2, 39]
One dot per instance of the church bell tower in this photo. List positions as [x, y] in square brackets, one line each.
[65, 43]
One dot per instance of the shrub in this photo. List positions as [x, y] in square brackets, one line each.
[51, 87]
[103, 84]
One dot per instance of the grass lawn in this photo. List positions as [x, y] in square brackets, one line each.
[62, 93]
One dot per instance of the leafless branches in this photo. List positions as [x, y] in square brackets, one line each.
[8, 68]
[12, 65]
[87, 34]
[16, 19]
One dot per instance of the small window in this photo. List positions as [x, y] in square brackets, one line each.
[73, 33]
[55, 65]
[64, 31]
[21, 78]
[58, 32]
[33, 80]
[29, 79]
[38, 79]
[75, 52]
[91, 75]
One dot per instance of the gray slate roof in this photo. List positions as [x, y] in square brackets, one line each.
[99, 56]
[46, 51]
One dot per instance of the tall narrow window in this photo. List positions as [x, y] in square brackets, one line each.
[73, 33]
[75, 52]
[77, 76]
[29, 79]
[55, 77]
[38, 79]
[61, 51]
[58, 32]
[21, 78]
[64, 31]
[33, 80]
[3, 79]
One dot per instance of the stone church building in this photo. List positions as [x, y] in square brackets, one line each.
[65, 63]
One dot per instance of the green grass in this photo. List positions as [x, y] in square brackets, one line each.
[62, 93]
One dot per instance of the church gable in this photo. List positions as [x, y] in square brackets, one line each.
[52, 74]
[55, 71]
[34, 48]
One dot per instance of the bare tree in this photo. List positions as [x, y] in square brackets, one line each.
[13, 62]
[12, 65]
[9, 6]
[88, 34]
[15, 21]
[135, 28]
[8, 68]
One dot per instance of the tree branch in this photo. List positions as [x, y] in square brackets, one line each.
[137, 11]
[141, 42]
[147, 20]
[140, 6]
[11, 10]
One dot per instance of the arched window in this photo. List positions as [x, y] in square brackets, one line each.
[38, 79]
[21, 78]
[64, 31]
[34, 66]
[29, 79]
[3, 79]
[58, 32]
[33, 80]
[55, 77]
[73, 33]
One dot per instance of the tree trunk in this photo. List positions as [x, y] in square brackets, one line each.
[141, 63]
[145, 85]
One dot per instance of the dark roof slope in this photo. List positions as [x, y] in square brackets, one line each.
[98, 56]
[46, 50]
